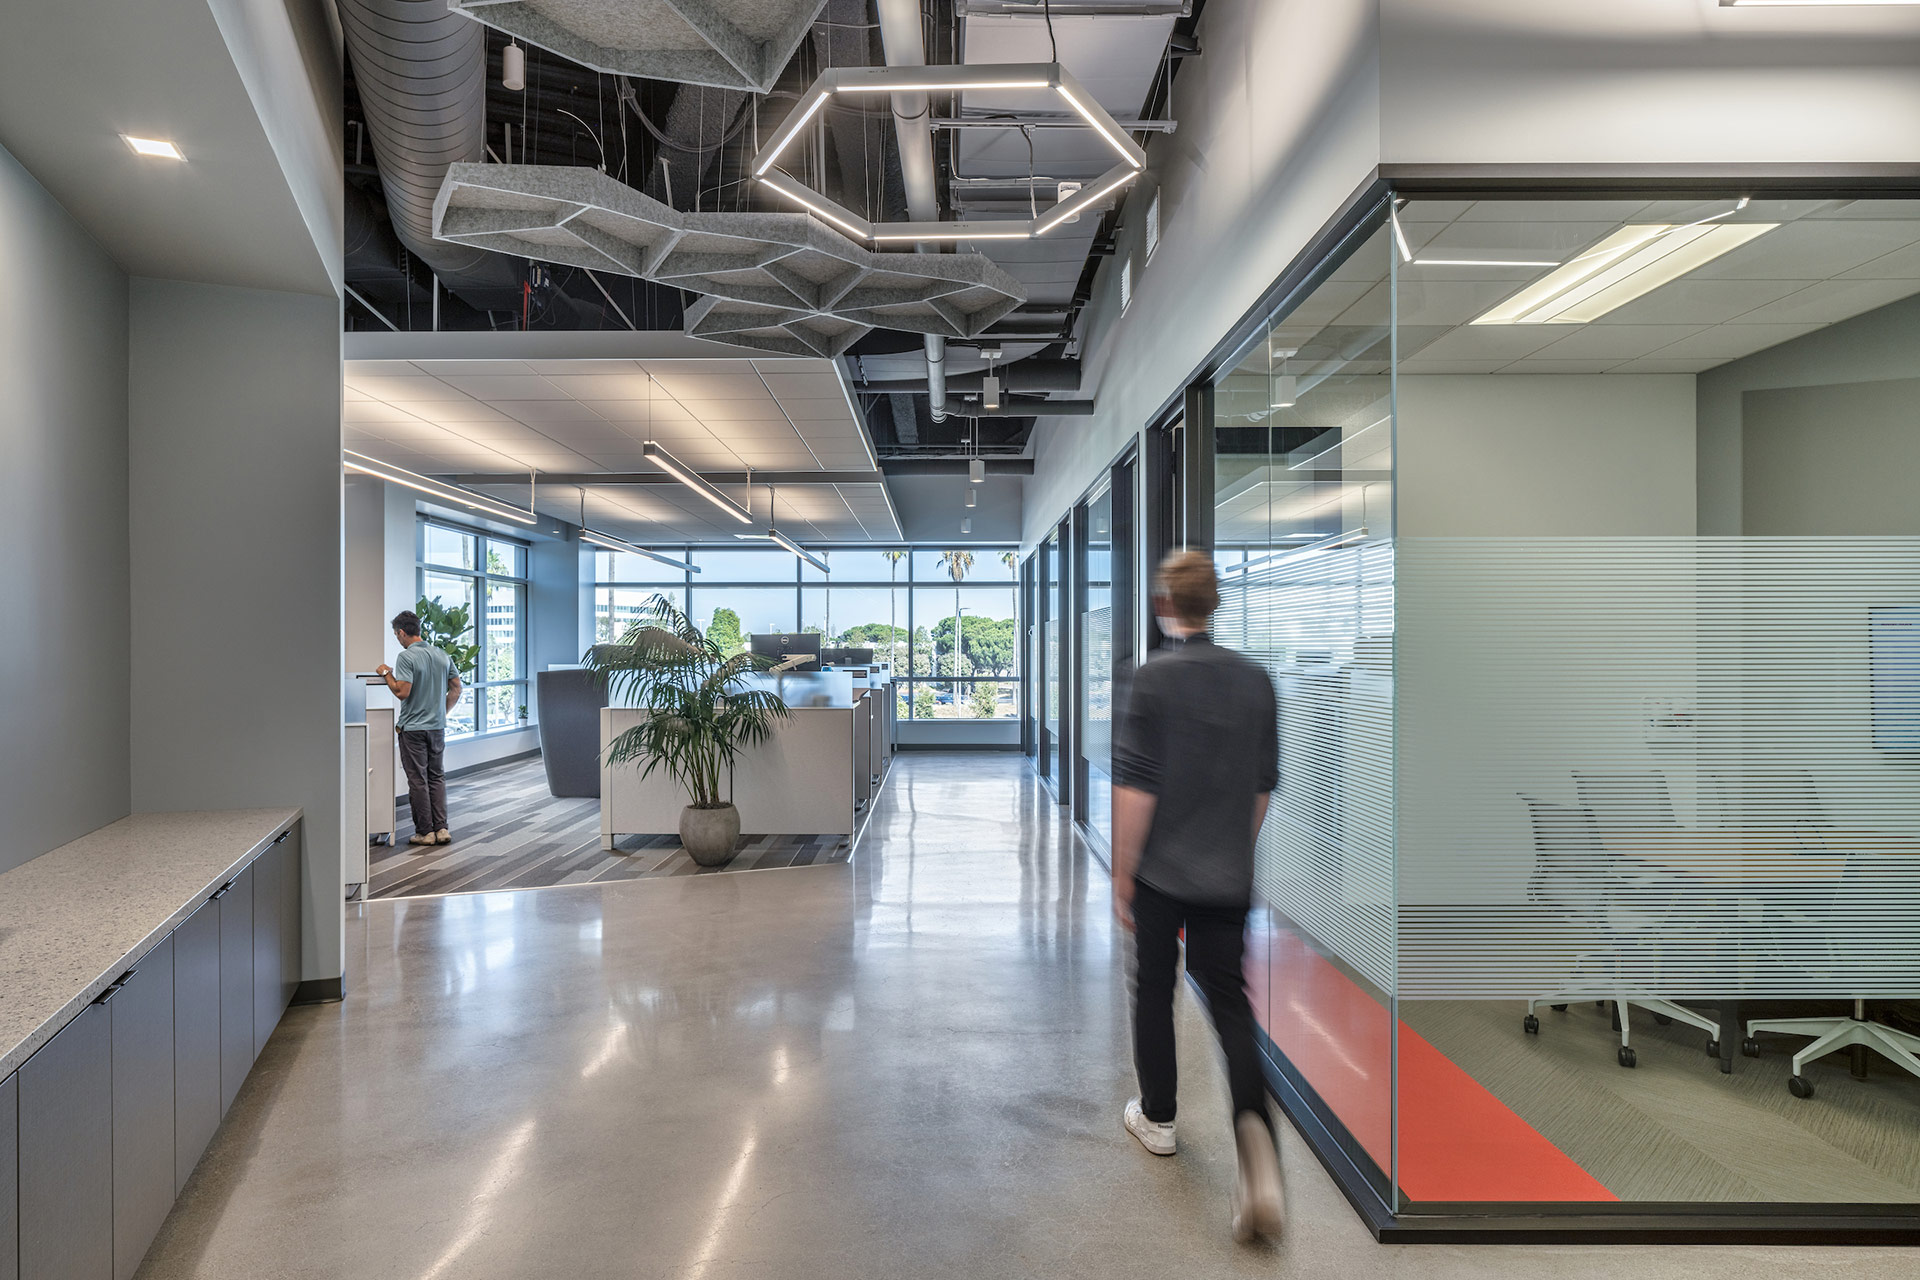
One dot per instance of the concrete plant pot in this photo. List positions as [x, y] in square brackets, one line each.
[709, 835]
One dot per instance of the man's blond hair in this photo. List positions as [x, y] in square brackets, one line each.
[1186, 579]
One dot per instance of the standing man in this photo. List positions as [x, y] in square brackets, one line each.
[1194, 762]
[427, 686]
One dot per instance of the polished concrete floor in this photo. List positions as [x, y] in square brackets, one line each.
[907, 1066]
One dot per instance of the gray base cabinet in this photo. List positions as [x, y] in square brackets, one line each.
[196, 1039]
[9, 1178]
[102, 1127]
[236, 985]
[66, 1153]
[142, 1107]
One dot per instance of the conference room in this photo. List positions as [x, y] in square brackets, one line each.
[1579, 537]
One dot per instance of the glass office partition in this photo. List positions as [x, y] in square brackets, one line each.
[1053, 585]
[1303, 519]
[1096, 665]
[1658, 589]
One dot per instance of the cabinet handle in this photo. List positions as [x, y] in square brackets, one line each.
[222, 891]
[282, 837]
[113, 988]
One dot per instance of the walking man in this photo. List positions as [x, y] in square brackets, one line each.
[427, 685]
[1194, 762]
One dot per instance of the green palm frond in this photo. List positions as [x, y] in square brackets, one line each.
[702, 711]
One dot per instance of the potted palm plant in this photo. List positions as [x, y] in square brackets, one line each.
[701, 713]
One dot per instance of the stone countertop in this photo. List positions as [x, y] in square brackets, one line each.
[74, 919]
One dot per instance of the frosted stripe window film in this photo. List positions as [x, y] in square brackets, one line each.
[1320, 621]
[1671, 765]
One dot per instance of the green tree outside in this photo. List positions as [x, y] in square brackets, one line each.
[724, 631]
[985, 701]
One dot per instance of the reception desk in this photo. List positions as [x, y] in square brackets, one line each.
[816, 774]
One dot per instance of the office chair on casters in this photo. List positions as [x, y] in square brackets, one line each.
[1639, 801]
[1861, 890]
[1574, 873]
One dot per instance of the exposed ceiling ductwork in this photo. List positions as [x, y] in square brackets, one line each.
[421, 72]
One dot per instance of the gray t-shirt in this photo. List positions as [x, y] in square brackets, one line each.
[1199, 733]
[425, 706]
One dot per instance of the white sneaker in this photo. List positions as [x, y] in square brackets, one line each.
[1157, 1138]
[1257, 1206]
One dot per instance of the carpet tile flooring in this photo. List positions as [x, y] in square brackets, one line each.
[510, 833]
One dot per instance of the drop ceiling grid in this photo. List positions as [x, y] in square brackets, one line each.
[591, 414]
[1822, 264]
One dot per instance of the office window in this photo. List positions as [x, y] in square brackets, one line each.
[479, 584]
[1126, 284]
[900, 602]
[1153, 225]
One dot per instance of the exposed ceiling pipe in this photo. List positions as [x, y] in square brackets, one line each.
[422, 76]
[1021, 375]
[901, 43]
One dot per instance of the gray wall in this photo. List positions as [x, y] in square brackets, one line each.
[234, 431]
[1539, 455]
[1880, 345]
[932, 507]
[1828, 461]
[63, 524]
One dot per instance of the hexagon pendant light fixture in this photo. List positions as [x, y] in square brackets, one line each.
[852, 81]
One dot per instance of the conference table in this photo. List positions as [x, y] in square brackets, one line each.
[1755, 862]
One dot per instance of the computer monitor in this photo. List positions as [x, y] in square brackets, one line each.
[783, 645]
[846, 657]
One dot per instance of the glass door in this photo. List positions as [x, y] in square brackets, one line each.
[1053, 589]
[1095, 800]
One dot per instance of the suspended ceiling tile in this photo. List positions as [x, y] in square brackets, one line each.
[1690, 301]
[500, 387]
[439, 368]
[1730, 341]
[1662, 364]
[396, 388]
[1613, 341]
[1830, 301]
[1810, 251]
[1563, 210]
[1902, 264]
[1535, 364]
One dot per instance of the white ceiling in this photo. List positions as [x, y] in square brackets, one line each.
[75, 76]
[1825, 262]
[570, 416]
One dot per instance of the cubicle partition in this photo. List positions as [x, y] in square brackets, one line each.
[1577, 536]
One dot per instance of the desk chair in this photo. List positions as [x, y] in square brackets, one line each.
[1766, 798]
[1855, 898]
[1637, 800]
[1574, 873]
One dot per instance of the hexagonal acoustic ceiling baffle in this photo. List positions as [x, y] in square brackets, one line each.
[772, 281]
[728, 44]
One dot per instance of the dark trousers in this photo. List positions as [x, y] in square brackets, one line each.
[1216, 948]
[422, 753]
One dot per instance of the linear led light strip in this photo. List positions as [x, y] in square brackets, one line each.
[1340, 444]
[1407, 255]
[612, 543]
[864, 80]
[1633, 261]
[687, 476]
[366, 466]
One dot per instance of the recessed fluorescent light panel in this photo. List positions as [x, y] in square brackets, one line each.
[379, 470]
[687, 476]
[152, 147]
[612, 543]
[1633, 261]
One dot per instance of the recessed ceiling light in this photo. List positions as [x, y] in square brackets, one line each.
[152, 147]
[1633, 261]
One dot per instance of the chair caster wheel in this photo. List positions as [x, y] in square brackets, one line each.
[1800, 1086]
[1558, 1008]
[1713, 1048]
[1530, 1025]
[1627, 1058]
[1750, 1047]
[1662, 1019]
